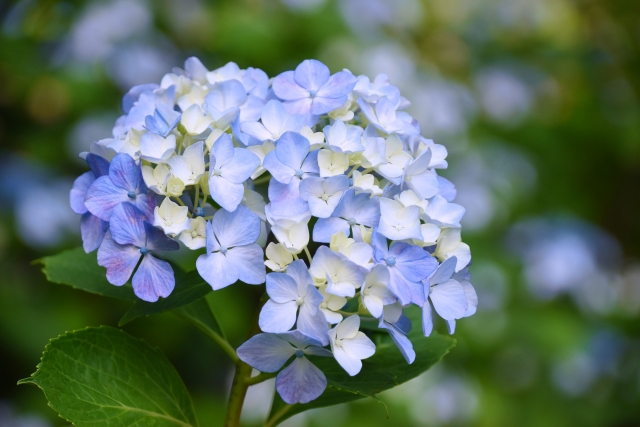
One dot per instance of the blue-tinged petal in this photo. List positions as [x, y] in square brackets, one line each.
[300, 382]
[311, 74]
[313, 325]
[291, 150]
[237, 228]
[157, 240]
[361, 207]
[222, 151]
[444, 271]
[103, 196]
[285, 87]
[278, 317]
[216, 270]
[417, 292]
[134, 93]
[380, 246]
[414, 262]
[227, 194]
[282, 288]
[285, 198]
[124, 172]
[322, 105]
[146, 202]
[127, 225]
[312, 297]
[79, 192]
[299, 272]
[278, 170]
[256, 130]
[451, 326]
[274, 118]
[92, 230]
[310, 165]
[449, 300]
[427, 319]
[327, 227]
[339, 85]
[265, 352]
[401, 341]
[212, 242]
[119, 260]
[240, 168]
[98, 165]
[249, 260]
[153, 279]
[303, 108]
[399, 286]
[299, 339]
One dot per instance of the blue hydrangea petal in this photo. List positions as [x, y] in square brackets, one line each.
[339, 85]
[98, 165]
[281, 287]
[380, 246]
[216, 271]
[291, 149]
[399, 286]
[444, 271]
[124, 173]
[222, 151]
[92, 230]
[449, 300]
[134, 93]
[237, 228]
[311, 74]
[414, 262]
[119, 260]
[103, 196]
[249, 260]
[127, 225]
[153, 279]
[240, 168]
[278, 317]
[226, 194]
[327, 227]
[322, 105]
[157, 240]
[265, 352]
[285, 87]
[401, 341]
[285, 198]
[79, 192]
[300, 382]
[299, 339]
[313, 324]
[427, 319]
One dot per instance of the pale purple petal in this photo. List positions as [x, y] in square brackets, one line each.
[265, 352]
[278, 317]
[256, 130]
[311, 74]
[249, 260]
[92, 230]
[299, 272]
[124, 173]
[399, 286]
[300, 382]
[79, 192]
[119, 260]
[427, 319]
[472, 298]
[153, 279]
[339, 85]
[327, 227]
[285, 87]
[274, 117]
[401, 341]
[103, 196]
[380, 246]
[216, 270]
[364, 210]
[285, 198]
[157, 240]
[98, 165]
[222, 151]
[322, 105]
[127, 225]
[278, 170]
[291, 149]
[237, 228]
[444, 271]
[313, 325]
[415, 263]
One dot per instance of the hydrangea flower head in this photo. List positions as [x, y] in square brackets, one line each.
[316, 185]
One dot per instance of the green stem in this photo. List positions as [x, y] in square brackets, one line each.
[272, 422]
[262, 376]
[262, 179]
[217, 338]
[306, 251]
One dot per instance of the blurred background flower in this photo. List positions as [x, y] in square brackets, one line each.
[536, 102]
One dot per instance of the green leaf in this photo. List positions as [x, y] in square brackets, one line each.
[199, 313]
[104, 377]
[189, 288]
[81, 271]
[384, 370]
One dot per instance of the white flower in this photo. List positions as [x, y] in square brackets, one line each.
[171, 217]
[195, 97]
[343, 276]
[291, 231]
[332, 163]
[189, 167]
[430, 234]
[195, 237]
[342, 113]
[375, 293]
[316, 139]
[155, 148]
[361, 253]
[365, 183]
[410, 198]
[398, 222]
[330, 305]
[443, 213]
[261, 151]
[343, 138]
[278, 257]
[255, 202]
[194, 120]
[349, 345]
[395, 160]
[450, 245]
[156, 179]
[323, 195]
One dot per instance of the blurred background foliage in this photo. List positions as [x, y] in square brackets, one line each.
[537, 103]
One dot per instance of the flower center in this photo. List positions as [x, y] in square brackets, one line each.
[352, 221]
[168, 221]
[325, 197]
[194, 234]
[223, 249]
[391, 261]
[299, 353]
[144, 250]
[217, 172]
[313, 93]
[299, 300]
[131, 194]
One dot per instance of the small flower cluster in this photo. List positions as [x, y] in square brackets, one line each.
[350, 183]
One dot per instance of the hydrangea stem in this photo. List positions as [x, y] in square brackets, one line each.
[241, 382]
